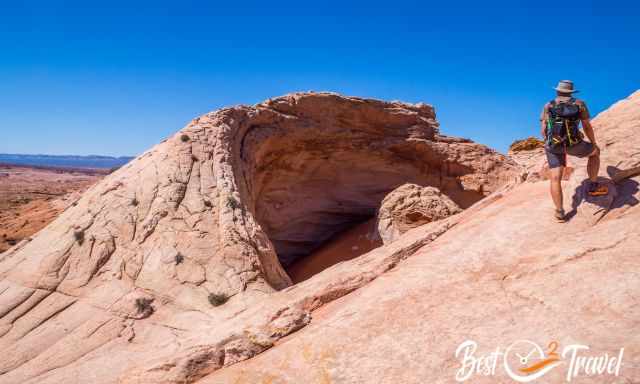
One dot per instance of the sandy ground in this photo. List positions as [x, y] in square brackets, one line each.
[347, 245]
[31, 197]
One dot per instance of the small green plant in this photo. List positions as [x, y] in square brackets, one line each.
[79, 236]
[144, 307]
[184, 138]
[217, 299]
[179, 258]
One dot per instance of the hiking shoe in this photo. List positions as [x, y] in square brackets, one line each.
[597, 189]
[560, 216]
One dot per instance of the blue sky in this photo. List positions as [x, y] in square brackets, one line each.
[116, 78]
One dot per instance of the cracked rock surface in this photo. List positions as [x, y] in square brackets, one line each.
[500, 271]
[118, 289]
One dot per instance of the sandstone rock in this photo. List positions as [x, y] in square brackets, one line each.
[118, 287]
[528, 144]
[251, 188]
[347, 245]
[410, 206]
[502, 271]
[622, 174]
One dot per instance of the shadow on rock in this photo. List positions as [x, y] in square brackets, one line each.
[620, 194]
[627, 190]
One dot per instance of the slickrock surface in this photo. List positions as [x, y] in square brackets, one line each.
[129, 286]
[31, 197]
[502, 272]
[410, 206]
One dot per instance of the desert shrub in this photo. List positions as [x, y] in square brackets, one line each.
[144, 307]
[207, 204]
[179, 258]
[135, 202]
[184, 138]
[217, 299]
[79, 236]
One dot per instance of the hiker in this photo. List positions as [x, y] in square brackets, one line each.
[559, 124]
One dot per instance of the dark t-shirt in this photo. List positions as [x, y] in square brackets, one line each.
[584, 111]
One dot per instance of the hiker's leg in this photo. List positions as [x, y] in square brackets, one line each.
[593, 165]
[557, 161]
[556, 186]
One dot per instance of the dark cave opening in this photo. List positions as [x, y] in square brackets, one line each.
[307, 199]
[352, 242]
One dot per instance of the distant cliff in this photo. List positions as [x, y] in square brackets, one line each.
[91, 161]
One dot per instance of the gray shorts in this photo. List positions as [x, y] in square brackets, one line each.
[558, 158]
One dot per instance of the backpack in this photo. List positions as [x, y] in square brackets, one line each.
[562, 124]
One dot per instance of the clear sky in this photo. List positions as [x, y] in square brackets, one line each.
[114, 78]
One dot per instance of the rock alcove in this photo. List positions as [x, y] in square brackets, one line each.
[317, 166]
[205, 227]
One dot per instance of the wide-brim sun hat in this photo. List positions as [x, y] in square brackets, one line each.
[565, 86]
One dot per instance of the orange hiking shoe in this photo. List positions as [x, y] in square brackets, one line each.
[597, 189]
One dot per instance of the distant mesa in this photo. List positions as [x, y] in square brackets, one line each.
[65, 161]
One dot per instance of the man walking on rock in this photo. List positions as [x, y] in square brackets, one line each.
[559, 125]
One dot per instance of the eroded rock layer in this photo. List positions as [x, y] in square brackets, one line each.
[410, 206]
[314, 165]
[501, 271]
[171, 268]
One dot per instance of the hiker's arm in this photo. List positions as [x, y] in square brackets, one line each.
[588, 130]
[585, 118]
[543, 123]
